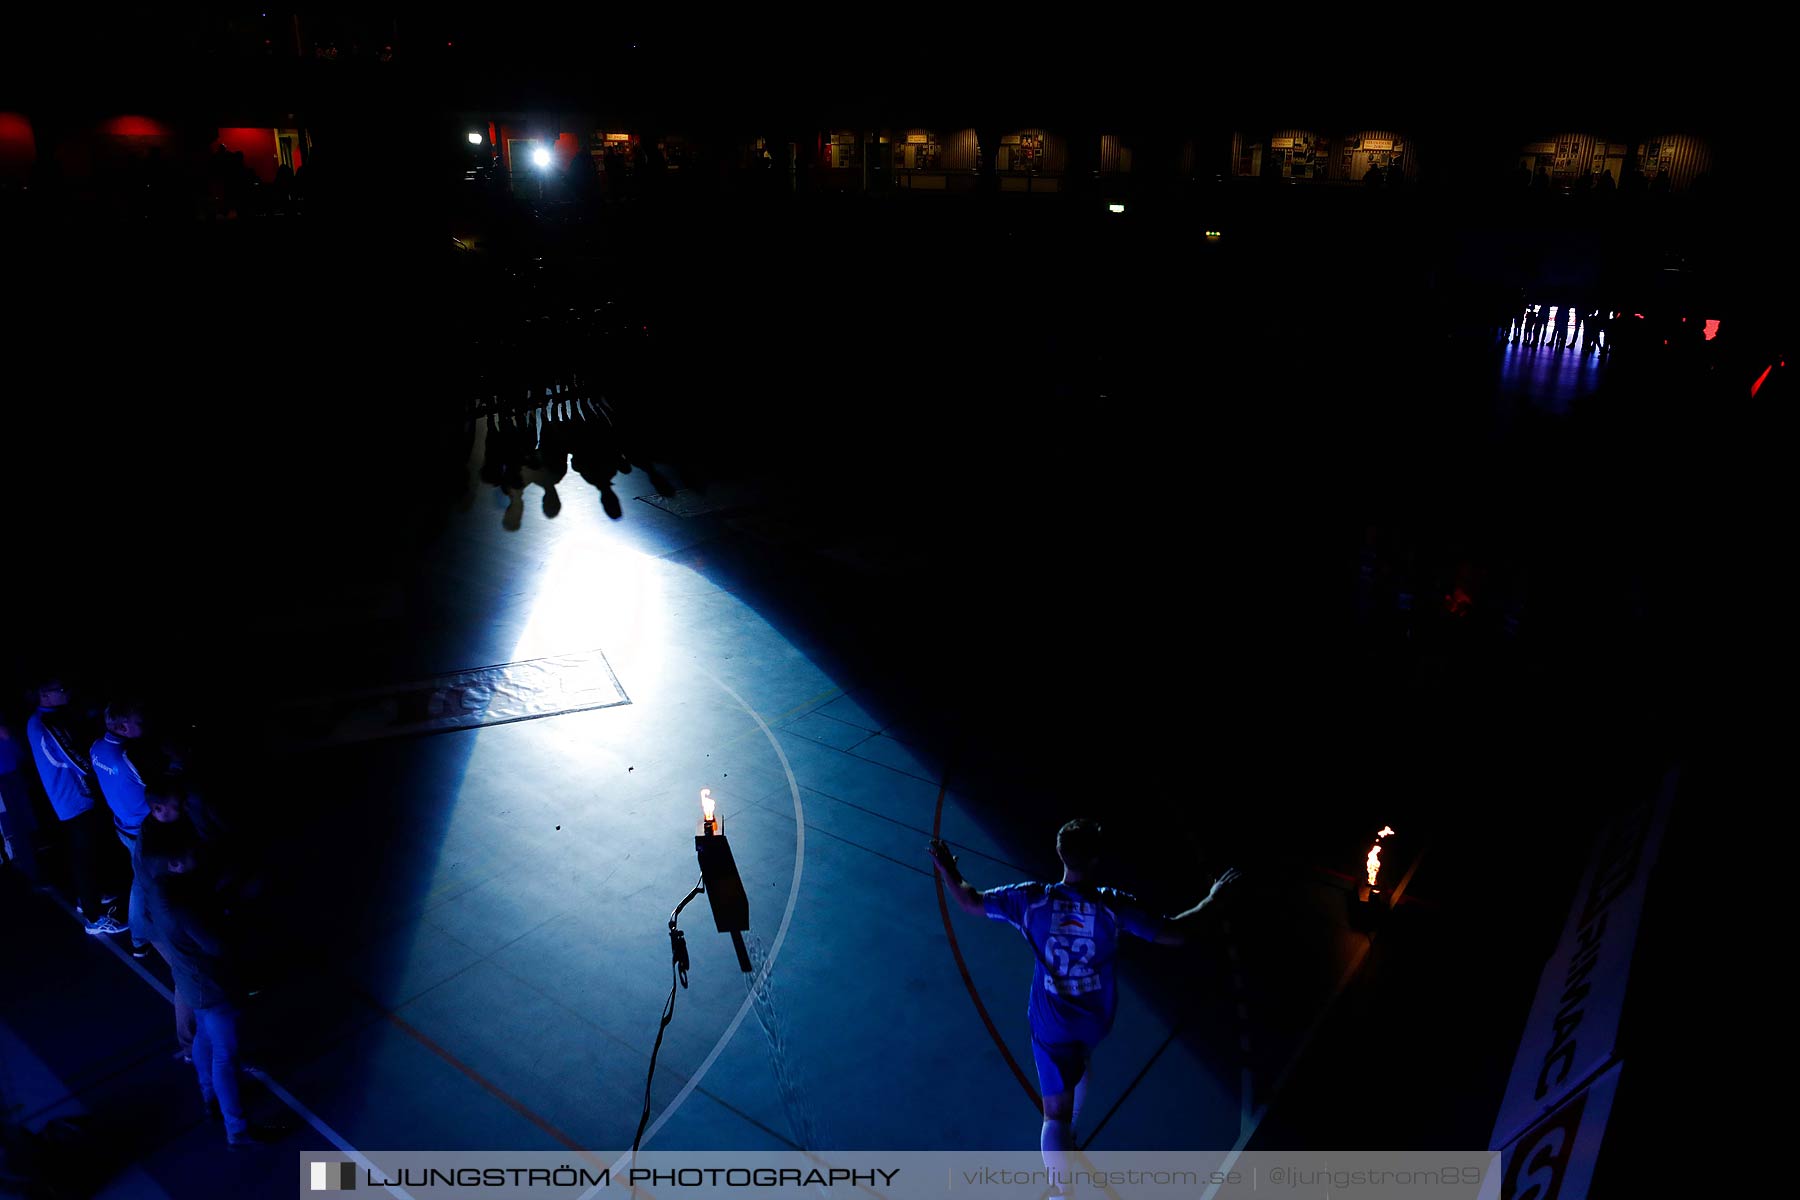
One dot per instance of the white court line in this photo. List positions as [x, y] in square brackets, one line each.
[787, 917]
[1249, 1128]
[311, 1118]
[286, 1097]
[1247, 1115]
[121, 955]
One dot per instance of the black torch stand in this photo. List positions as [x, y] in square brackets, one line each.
[1369, 907]
[724, 887]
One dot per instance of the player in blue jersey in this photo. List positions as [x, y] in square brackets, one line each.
[59, 742]
[116, 758]
[1074, 927]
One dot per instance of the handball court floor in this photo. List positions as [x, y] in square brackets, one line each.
[479, 951]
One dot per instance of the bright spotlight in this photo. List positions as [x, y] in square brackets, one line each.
[541, 157]
[1116, 208]
[474, 139]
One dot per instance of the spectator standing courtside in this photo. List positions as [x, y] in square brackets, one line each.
[167, 802]
[194, 924]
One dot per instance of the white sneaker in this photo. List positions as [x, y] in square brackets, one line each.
[106, 922]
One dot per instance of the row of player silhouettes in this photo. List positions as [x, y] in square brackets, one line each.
[1548, 325]
[535, 437]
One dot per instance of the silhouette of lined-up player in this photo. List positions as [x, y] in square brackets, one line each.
[60, 739]
[1074, 927]
[1535, 323]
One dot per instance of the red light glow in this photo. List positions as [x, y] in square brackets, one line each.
[1757, 386]
[135, 127]
[1712, 330]
[18, 148]
[257, 145]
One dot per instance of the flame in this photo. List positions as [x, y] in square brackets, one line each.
[706, 805]
[1374, 861]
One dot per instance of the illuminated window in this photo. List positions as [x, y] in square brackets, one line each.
[918, 150]
[1300, 154]
[844, 152]
[1020, 153]
[614, 151]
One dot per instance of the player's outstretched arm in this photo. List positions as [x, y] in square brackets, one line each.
[962, 893]
[1183, 926]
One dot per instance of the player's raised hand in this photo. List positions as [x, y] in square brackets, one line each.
[940, 854]
[1227, 880]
